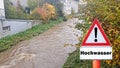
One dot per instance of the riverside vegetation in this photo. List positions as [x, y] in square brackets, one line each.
[108, 13]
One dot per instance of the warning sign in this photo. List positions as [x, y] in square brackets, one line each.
[96, 36]
[95, 44]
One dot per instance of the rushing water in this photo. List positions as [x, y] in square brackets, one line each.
[48, 50]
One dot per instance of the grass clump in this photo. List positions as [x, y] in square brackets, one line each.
[74, 61]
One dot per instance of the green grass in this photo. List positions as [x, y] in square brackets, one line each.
[73, 61]
[9, 41]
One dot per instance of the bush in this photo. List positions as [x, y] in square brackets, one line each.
[13, 12]
[108, 12]
[34, 15]
[45, 13]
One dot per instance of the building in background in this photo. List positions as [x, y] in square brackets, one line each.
[70, 6]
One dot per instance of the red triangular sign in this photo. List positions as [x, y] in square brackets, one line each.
[95, 36]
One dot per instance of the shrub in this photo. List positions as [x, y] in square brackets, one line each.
[34, 15]
[13, 12]
[108, 12]
[45, 13]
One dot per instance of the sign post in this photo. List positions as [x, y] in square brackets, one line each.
[95, 45]
[96, 63]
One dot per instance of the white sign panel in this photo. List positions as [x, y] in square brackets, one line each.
[95, 52]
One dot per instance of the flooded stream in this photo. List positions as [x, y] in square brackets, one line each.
[48, 50]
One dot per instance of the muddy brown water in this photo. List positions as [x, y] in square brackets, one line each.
[48, 50]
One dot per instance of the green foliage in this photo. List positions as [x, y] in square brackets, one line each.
[45, 13]
[68, 17]
[14, 12]
[108, 12]
[59, 7]
[96, 9]
[33, 4]
[83, 26]
[73, 61]
[9, 41]
[34, 15]
[11, 12]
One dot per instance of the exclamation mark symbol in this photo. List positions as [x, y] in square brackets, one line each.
[95, 30]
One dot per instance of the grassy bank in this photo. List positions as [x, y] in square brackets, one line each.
[73, 61]
[9, 41]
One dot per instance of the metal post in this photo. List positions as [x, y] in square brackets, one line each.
[96, 63]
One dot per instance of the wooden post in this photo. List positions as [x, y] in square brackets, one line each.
[96, 63]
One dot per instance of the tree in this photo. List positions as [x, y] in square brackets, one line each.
[13, 12]
[10, 11]
[36, 3]
[34, 15]
[33, 4]
[58, 5]
[51, 11]
[45, 13]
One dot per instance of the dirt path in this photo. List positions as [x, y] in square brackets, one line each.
[47, 50]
